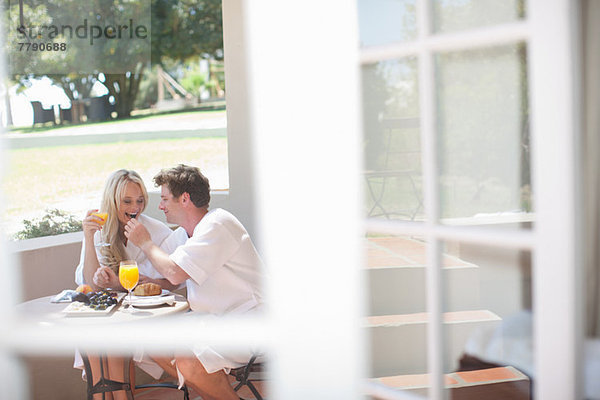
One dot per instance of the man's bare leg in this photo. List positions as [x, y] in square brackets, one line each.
[213, 386]
[165, 363]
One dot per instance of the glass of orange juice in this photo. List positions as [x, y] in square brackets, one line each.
[129, 275]
[102, 217]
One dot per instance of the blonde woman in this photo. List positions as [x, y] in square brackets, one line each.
[124, 198]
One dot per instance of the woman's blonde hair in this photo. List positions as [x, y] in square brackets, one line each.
[111, 199]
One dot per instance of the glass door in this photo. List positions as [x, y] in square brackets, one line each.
[453, 193]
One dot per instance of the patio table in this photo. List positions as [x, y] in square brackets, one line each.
[43, 311]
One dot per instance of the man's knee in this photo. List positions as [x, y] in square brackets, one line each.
[190, 366]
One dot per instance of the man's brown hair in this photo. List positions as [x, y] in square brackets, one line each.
[182, 179]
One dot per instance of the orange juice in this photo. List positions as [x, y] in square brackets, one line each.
[128, 275]
[102, 216]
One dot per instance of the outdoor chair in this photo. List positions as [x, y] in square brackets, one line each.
[42, 115]
[99, 108]
[398, 172]
[168, 385]
[105, 385]
[66, 114]
[247, 374]
[244, 376]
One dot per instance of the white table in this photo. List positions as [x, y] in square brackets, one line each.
[42, 310]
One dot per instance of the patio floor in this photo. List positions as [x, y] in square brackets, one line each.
[394, 251]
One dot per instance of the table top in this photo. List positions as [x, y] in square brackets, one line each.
[42, 310]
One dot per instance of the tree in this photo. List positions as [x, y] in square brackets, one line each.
[179, 30]
[73, 42]
[186, 28]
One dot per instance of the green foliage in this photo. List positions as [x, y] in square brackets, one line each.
[53, 223]
[186, 29]
[189, 74]
[179, 31]
[148, 91]
[194, 80]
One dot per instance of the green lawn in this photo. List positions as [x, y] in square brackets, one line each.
[48, 127]
[72, 177]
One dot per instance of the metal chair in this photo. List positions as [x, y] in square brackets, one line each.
[168, 385]
[105, 385]
[247, 374]
[400, 165]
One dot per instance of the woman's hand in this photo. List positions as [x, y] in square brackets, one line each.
[106, 278]
[91, 224]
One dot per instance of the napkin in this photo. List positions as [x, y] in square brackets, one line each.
[139, 301]
[66, 296]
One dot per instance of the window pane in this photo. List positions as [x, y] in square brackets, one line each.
[386, 21]
[393, 179]
[487, 321]
[397, 320]
[465, 14]
[483, 127]
[54, 378]
[71, 177]
[75, 115]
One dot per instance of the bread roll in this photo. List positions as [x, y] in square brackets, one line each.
[147, 289]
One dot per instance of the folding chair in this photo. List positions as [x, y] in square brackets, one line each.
[105, 385]
[399, 168]
[168, 385]
[247, 374]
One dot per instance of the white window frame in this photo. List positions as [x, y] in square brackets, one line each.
[299, 116]
[305, 197]
[550, 32]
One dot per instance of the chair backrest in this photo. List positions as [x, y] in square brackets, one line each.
[401, 144]
[253, 371]
[40, 114]
[66, 114]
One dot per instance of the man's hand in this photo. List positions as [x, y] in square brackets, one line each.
[106, 278]
[137, 233]
[139, 236]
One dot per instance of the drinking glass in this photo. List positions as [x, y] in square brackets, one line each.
[102, 220]
[129, 275]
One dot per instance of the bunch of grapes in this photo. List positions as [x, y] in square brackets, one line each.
[101, 300]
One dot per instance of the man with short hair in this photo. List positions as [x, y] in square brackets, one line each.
[218, 262]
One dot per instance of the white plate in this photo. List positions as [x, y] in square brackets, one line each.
[78, 309]
[165, 297]
[163, 293]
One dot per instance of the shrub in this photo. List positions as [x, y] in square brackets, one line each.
[54, 222]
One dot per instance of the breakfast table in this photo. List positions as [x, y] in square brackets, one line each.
[42, 311]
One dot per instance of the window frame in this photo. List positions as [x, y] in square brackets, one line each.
[552, 40]
[270, 96]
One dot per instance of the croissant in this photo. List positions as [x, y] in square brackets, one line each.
[147, 289]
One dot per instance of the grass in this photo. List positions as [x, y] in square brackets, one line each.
[72, 177]
[50, 127]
